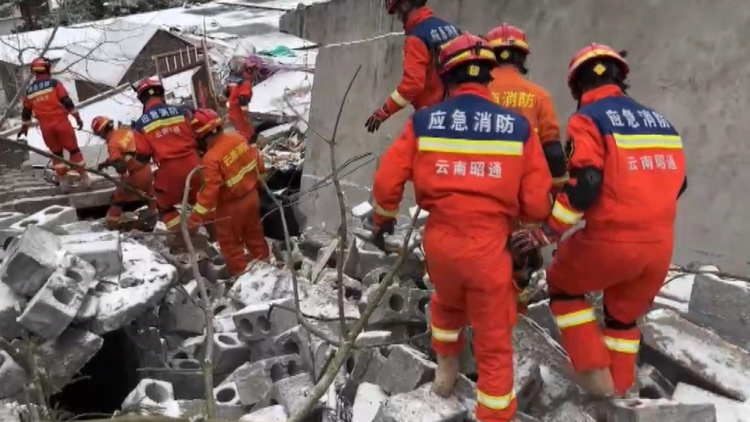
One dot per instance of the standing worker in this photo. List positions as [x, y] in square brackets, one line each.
[627, 170]
[512, 90]
[420, 84]
[121, 156]
[475, 166]
[231, 168]
[239, 92]
[47, 99]
[163, 132]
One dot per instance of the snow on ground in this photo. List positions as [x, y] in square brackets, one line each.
[32, 43]
[274, 4]
[679, 286]
[268, 96]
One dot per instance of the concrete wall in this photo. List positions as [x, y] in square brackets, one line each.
[689, 60]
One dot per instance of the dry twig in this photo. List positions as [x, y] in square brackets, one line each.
[208, 349]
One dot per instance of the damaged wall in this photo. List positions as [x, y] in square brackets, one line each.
[695, 80]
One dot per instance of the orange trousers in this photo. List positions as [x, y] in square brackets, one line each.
[630, 274]
[241, 123]
[472, 278]
[141, 179]
[60, 137]
[169, 184]
[237, 227]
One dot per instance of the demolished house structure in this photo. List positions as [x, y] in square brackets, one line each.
[117, 320]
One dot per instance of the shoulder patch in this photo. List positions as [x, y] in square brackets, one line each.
[570, 148]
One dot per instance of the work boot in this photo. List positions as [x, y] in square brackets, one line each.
[445, 375]
[85, 180]
[597, 382]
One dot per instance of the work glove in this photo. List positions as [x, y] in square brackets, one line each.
[379, 231]
[79, 121]
[378, 117]
[103, 165]
[23, 132]
[528, 239]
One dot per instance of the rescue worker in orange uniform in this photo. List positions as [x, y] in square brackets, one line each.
[420, 84]
[475, 166]
[239, 91]
[231, 168]
[512, 90]
[121, 156]
[47, 100]
[627, 170]
[164, 133]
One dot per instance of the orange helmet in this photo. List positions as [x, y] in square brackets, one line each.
[465, 48]
[595, 51]
[100, 125]
[508, 36]
[390, 5]
[41, 65]
[149, 87]
[205, 121]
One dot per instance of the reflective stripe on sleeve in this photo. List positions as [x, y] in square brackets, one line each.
[448, 336]
[237, 178]
[622, 345]
[200, 209]
[576, 318]
[647, 141]
[385, 213]
[399, 99]
[565, 215]
[468, 146]
[495, 402]
[172, 223]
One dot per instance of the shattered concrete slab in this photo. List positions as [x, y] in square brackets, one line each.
[721, 305]
[150, 397]
[275, 413]
[367, 402]
[31, 259]
[196, 410]
[727, 410]
[659, 410]
[51, 216]
[65, 356]
[9, 328]
[683, 350]
[290, 392]
[421, 405]
[53, 307]
[229, 353]
[405, 369]
[264, 282]
[569, 412]
[180, 312]
[12, 375]
[254, 379]
[102, 250]
[261, 321]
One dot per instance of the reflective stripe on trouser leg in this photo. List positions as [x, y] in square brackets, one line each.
[446, 326]
[623, 348]
[580, 333]
[171, 219]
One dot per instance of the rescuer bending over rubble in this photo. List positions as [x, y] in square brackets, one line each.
[475, 166]
[231, 168]
[511, 90]
[121, 155]
[420, 84]
[164, 133]
[627, 170]
[239, 92]
[47, 100]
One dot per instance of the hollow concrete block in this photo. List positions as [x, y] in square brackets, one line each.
[29, 262]
[393, 307]
[229, 353]
[53, 308]
[727, 410]
[659, 410]
[363, 367]
[196, 410]
[405, 369]
[214, 269]
[149, 393]
[9, 328]
[722, 306]
[227, 394]
[375, 276]
[418, 304]
[290, 392]
[187, 382]
[67, 354]
[102, 250]
[180, 313]
[275, 413]
[254, 379]
[253, 322]
[652, 384]
[52, 216]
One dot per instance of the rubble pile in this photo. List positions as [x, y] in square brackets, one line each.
[66, 284]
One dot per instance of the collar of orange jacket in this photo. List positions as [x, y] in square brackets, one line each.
[601, 92]
[473, 89]
[506, 70]
[152, 102]
[43, 77]
[416, 17]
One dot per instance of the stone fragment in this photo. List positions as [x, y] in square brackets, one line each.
[365, 367]
[392, 308]
[527, 379]
[214, 269]
[66, 355]
[187, 380]
[227, 394]
[375, 276]
[9, 328]
[79, 270]
[323, 259]
[253, 322]
[229, 353]
[659, 410]
[180, 313]
[419, 301]
[421, 405]
[569, 412]
[263, 283]
[290, 392]
[275, 413]
[367, 402]
[102, 250]
[151, 396]
[29, 262]
[405, 369]
[721, 305]
[8, 218]
[49, 217]
[12, 375]
[295, 341]
[727, 410]
[541, 314]
[685, 351]
[652, 384]
[253, 380]
[224, 324]
[53, 308]
[196, 410]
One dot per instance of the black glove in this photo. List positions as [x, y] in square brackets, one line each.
[80, 122]
[101, 166]
[378, 117]
[23, 132]
[379, 231]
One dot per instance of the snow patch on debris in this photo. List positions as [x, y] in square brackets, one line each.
[275, 94]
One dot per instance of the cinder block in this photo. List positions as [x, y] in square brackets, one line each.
[102, 250]
[375, 276]
[295, 342]
[681, 349]
[227, 394]
[727, 410]
[187, 382]
[53, 308]
[290, 392]
[253, 380]
[367, 402]
[722, 306]
[149, 393]
[8, 218]
[363, 367]
[652, 384]
[196, 410]
[29, 262]
[275, 413]
[405, 369]
[421, 405]
[12, 375]
[419, 301]
[659, 410]
[52, 216]
[229, 353]
[393, 307]
[214, 269]
[9, 328]
[253, 322]
[88, 308]
[569, 412]
[180, 313]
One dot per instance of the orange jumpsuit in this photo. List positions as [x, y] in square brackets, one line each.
[240, 93]
[626, 247]
[420, 84]
[121, 149]
[511, 90]
[47, 99]
[475, 166]
[164, 133]
[231, 168]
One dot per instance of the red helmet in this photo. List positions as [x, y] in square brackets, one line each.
[100, 125]
[465, 48]
[510, 36]
[149, 87]
[205, 121]
[250, 63]
[41, 65]
[595, 51]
